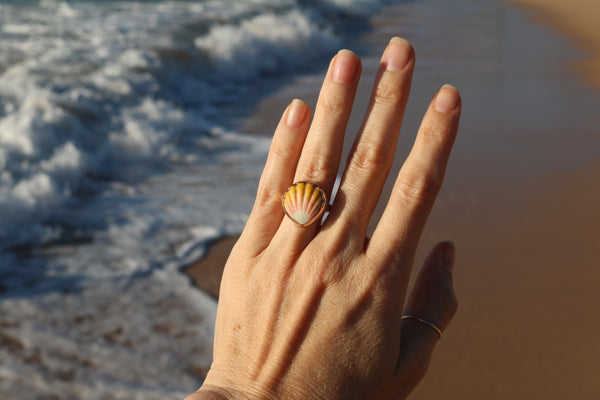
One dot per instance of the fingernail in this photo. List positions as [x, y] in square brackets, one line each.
[397, 54]
[345, 66]
[447, 99]
[296, 114]
[448, 256]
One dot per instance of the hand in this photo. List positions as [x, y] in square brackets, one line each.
[314, 312]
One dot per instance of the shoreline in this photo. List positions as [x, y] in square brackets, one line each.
[206, 272]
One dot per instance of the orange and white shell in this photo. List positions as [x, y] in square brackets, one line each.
[304, 203]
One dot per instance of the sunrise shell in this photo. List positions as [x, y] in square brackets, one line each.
[304, 203]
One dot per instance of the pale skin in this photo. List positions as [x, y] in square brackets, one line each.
[315, 312]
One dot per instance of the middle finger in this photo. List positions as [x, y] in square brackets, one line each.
[373, 151]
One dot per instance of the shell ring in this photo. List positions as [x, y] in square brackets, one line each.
[304, 203]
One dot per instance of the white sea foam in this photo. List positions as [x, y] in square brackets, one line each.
[264, 43]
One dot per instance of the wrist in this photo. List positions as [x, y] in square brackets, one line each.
[209, 393]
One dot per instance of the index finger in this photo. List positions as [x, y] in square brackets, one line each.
[418, 183]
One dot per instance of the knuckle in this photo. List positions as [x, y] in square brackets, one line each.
[387, 94]
[283, 152]
[327, 266]
[452, 304]
[332, 107]
[432, 136]
[318, 169]
[267, 198]
[369, 157]
[421, 187]
[330, 274]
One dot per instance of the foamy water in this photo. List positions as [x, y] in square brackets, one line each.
[118, 163]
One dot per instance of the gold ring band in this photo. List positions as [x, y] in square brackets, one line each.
[425, 322]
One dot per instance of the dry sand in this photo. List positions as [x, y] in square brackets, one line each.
[527, 265]
[578, 19]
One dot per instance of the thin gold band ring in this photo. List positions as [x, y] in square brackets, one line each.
[425, 322]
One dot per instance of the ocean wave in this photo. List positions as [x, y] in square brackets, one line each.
[264, 44]
[88, 89]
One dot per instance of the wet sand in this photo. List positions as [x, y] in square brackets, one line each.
[525, 221]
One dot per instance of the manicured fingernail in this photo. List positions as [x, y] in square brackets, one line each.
[448, 255]
[296, 113]
[345, 66]
[447, 99]
[397, 54]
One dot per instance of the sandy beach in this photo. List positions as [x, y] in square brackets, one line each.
[525, 227]
[577, 20]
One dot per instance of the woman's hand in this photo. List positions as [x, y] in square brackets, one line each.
[315, 312]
